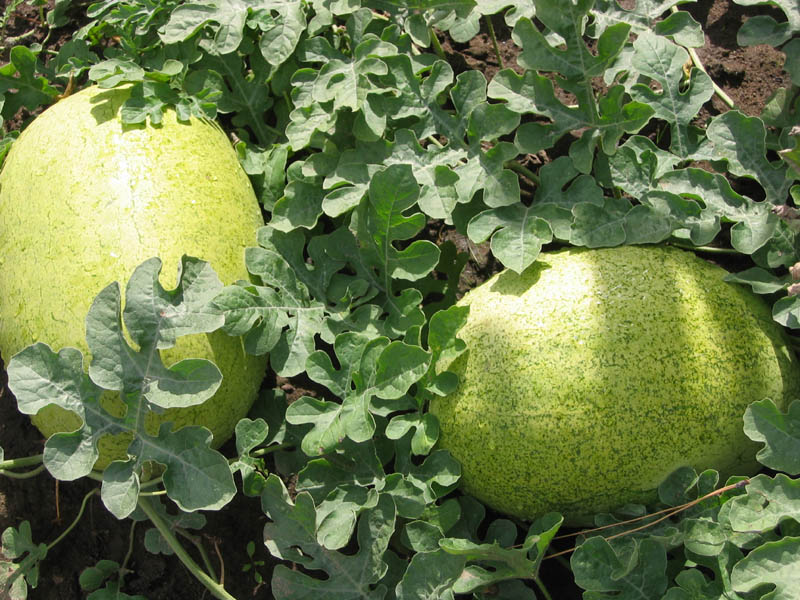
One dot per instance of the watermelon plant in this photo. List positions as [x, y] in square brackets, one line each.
[384, 172]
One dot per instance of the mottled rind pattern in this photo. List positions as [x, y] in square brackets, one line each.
[85, 200]
[595, 373]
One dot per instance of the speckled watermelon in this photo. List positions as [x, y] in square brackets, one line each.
[594, 374]
[84, 200]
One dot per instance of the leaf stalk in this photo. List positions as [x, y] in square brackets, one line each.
[515, 166]
[201, 550]
[163, 528]
[699, 64]
[18, 463]
[25, 475]
[542, 588]
[75, 521]
[437, 46]
[490, 27]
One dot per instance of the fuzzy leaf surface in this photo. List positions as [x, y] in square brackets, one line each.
[195, 476]
[780, 433]
[292, 534]
[773, 567]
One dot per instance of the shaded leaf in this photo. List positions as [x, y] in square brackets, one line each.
[417, 583]
[604, 574]
[764, 422]
[763, 29]
[775, 565]
[20, 86]
[291, 535]
[741, 140]
[760, 280]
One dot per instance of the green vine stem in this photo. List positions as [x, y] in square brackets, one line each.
[542, 588]
[24, 475]
[215, 588]
[522, 170]
[437, 46]
[33, 558]
[201, 550]
[76, 520]
[490, 27]
[19, 463]
[7, 467]
[123, 569]
[698, 63]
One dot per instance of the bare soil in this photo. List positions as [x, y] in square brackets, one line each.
[748, 75]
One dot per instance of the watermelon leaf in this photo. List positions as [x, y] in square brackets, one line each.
[196, 476]
[764, 422]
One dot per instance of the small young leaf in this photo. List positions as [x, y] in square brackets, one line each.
[358, 464]
[278, 317]
[392, 192]
[370, 369]
[249, 435]
[411, 497]
[92, 578]
[15, 577]
[504, 562]
[337, 514]
[155, 542]
[692, 585]
[112, 72]
[426, 431]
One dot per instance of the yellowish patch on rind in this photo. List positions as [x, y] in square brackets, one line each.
[596, 373]
[84, 200]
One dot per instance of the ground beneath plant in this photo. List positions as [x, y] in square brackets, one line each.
[747, 75]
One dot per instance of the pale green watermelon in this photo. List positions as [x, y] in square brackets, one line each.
[596, 373]
[84, 200]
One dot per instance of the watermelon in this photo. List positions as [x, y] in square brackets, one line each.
[84, 199]
[594, 374]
